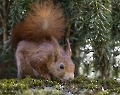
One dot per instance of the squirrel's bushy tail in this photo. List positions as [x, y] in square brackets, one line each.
[43, 21]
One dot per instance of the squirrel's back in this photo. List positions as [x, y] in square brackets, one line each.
[43, 21]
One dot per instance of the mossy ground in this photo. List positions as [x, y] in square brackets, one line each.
[79, 86]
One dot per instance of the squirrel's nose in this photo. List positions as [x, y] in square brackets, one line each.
[68, 77]
[71, 77]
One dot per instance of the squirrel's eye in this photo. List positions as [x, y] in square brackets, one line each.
[61, 66]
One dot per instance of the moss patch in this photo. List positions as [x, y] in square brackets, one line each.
[79, 86]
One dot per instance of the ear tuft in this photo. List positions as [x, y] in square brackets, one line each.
[68, 50]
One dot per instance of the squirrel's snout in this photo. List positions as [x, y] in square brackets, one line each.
[71, 78]
[68, 77]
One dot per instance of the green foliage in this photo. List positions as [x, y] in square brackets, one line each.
[100, 34]
[95, 23]
[116, 20]
[79, 86]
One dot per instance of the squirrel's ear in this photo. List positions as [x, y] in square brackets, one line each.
[57, 51]
[57, 55]
[68, 49]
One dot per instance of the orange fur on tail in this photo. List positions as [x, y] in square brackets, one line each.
[42, 22]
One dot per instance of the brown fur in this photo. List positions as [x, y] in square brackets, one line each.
[41, 22]
[38, 53]
[45, 58]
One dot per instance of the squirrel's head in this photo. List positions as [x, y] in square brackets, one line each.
[63, 67]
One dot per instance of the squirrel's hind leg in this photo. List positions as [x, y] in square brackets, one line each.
[23, 66]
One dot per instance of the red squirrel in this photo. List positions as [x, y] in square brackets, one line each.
[35, 41]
